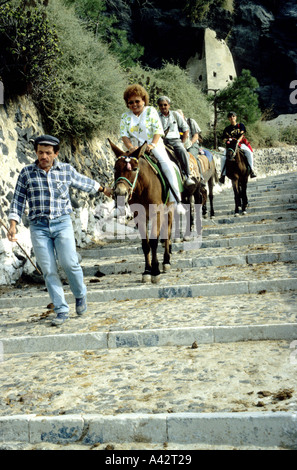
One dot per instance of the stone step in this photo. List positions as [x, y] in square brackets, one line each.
[224, 209]
[264, 194]
[229, 394]
[165, 290]
[282, 185]
[265, 308]
[255, 217]
[133, 247]
[176, 431]
[147, 338]
[137, 265]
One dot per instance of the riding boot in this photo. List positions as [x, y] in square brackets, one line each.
[252, 174]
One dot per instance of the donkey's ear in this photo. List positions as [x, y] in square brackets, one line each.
[139, 151]
[116, 150]
[142, 150]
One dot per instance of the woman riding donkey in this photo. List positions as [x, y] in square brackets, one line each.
[237, 131]
[140, 124]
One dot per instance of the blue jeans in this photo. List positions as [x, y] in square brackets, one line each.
[54, 239]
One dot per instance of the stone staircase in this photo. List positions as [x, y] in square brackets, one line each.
[206, 359]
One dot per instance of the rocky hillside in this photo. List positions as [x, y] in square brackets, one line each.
[261, 35]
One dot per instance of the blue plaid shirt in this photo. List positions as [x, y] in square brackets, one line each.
[47, 193]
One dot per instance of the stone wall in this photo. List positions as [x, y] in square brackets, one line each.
[92, 215]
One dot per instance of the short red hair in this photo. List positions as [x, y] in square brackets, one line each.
[136, 90]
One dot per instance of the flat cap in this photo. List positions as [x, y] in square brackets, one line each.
[46, 140]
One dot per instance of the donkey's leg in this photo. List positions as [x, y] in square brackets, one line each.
[236, 197]
[167, 225]
[156, 217]
[147, 274]
[155, 263]
[142, 227]
[210, 195]
[244, 197]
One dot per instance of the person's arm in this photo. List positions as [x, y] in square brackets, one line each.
[106, 191]
[86, 184]
[154, 142]
[194, 138]
[128, 144]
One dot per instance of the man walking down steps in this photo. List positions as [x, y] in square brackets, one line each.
[45, 186]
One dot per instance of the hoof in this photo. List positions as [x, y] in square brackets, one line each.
[166, 268]
[146, 278]
[244, 213]
[212, 216]
[156, 279]
[236, 215]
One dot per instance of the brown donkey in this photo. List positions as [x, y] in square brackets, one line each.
[237, 171]
[137, 184]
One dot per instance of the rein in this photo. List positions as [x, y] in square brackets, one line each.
[231, 149]
[122, 178]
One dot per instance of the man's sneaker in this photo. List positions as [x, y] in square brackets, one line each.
[222, 179]
[60, 319]
[81, 305]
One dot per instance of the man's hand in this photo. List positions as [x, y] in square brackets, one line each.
[11, 234]
[108, 192]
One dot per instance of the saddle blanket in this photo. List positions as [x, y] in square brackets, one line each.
[165, 188]
[208, 154]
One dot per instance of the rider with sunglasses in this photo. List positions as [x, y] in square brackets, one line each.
[140, 124]
[175, 124]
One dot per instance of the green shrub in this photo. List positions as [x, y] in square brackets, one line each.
[92, 14]
[29, 49]
[88, 98]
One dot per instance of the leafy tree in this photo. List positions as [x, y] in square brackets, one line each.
[197, 9]
[241, 97]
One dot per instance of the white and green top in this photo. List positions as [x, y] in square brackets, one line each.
[140, 129]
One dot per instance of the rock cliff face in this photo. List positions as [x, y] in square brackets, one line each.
[261, 35]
